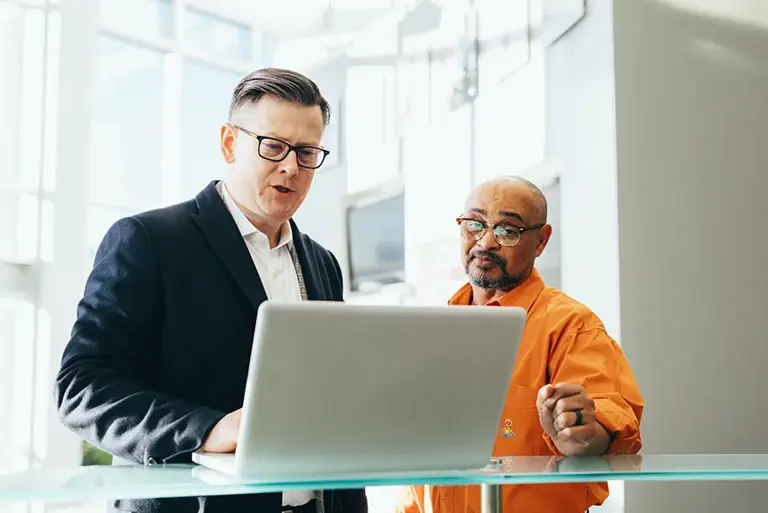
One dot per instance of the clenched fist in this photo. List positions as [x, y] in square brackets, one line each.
[567, 415]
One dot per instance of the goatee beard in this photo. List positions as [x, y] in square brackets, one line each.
[505, 281]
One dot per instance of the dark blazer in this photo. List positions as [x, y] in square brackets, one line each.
[160, 349]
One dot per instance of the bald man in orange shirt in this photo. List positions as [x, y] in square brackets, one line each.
[572, 392]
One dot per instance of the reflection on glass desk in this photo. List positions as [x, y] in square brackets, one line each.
[129, 482]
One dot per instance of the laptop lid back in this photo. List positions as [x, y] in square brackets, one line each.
[342, 389]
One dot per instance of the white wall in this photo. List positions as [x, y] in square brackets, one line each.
[436, 183]
[322, 214]
[581, 146]
[685, 161]
[581, 143]
[691, 97]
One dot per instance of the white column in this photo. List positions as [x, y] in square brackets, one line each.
[11, 62]
[691, 97]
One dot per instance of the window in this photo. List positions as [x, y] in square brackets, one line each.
[436, 166]
[360, 4]
[156, 114]
[447, 81]
[27, 221]
[29, 42]
[371, 149]
[216, 37]
[152, 102]
[510, 123]
[503, 37]
[27, 126]
[17, 326]
[126, 130]
[22, 36]
[126, 169]
[23, 218]
[17, 230]
[413, 107]
[376, 41]
[205, 98]
[152, 18]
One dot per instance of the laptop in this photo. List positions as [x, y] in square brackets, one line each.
[338, 390]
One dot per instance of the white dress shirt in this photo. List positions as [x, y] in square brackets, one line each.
[275, 265]
[278, 275]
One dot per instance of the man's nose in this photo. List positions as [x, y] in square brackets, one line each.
[488, 241]
[290, 164]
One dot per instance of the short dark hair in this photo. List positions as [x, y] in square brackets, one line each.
[280, 84]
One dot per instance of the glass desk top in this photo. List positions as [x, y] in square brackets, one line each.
[130, 482]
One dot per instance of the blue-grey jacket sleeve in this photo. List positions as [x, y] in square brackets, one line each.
[103, 389]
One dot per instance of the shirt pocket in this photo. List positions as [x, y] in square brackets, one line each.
[519, 431]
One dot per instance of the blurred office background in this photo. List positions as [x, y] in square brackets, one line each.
[643, 121]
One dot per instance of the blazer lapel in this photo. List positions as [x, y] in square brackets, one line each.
[220, 229]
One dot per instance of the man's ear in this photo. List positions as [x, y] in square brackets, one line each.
[228, 136]
[545, 232]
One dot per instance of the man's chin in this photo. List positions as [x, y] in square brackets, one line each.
[492, 280]
[483, 279]
[281, 210]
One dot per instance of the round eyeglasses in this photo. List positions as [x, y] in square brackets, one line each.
[270, 148]
[504, 234]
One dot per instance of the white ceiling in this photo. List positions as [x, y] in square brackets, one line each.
[303, 18]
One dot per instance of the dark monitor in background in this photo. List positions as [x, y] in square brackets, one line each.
[376, 241]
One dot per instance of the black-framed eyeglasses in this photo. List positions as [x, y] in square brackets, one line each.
[504, 234]
[310, 157]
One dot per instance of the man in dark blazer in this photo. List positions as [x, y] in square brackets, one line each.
[158, 357]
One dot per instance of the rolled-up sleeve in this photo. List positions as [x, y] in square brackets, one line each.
[592, 359]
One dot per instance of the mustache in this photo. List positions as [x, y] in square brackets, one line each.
[488, 255]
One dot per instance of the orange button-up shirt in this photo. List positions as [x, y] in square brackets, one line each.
[563, 342]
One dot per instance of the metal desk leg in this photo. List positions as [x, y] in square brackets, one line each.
[490, 498]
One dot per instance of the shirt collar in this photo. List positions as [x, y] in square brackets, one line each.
[247, 230]
[521, 296]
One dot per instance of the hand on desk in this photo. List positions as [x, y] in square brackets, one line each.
[567, 415]
[223, 436]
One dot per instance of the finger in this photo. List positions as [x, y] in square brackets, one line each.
[547, 423]
[545, 413]
[573, 403]
[545, 393]
[569, 418]
[568, 389]
[577, 434]
[565, 390]
[562, 390]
